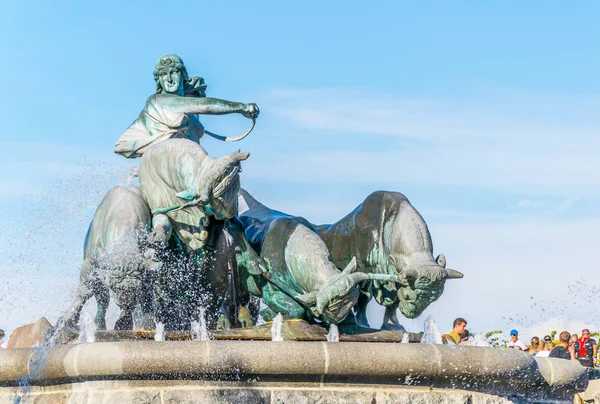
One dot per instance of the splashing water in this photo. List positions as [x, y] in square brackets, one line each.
[480, 340]
[159, 334]
[432, 334]
[404, 338]
[202, 329]
[276, 328]
[334, 333]
[87, 327]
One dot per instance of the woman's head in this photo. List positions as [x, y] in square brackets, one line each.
[535, 342]
[171, 77]
[548, 346]
[564, 337]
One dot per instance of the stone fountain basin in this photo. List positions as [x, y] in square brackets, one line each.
[267, 365]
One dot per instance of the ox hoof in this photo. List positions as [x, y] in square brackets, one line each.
[392, 327]
[244, 318]
[223, 323]
[125, 322]
[267, 314]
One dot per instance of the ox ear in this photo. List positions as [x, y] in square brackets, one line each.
[351, 267]
[453, 274]
[441, 260]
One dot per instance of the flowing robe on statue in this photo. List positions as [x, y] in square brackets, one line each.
[156, 124]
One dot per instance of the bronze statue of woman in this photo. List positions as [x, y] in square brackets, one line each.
[171, 111]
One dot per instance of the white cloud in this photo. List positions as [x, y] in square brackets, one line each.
[456, 143]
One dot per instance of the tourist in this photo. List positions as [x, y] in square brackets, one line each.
[585, 349]
[563, 350]
[574, 339]
[515, 342]
[547, 347]
[2, 345]
[465, 338]
[454, 336]
[535, 346]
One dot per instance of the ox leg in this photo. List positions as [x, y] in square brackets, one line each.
[390, 319]
[244, 317]
[279, 302]
[85, 291]
[125, 320]
[253, 307]
[147, 302]
[361, 310]
[102, 298]
[223, 322]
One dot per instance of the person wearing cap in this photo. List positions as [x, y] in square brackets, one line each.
[454, 336]
[515, 342]
[586, 349]
[172, 111]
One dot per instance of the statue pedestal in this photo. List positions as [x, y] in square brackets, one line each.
[292, 330]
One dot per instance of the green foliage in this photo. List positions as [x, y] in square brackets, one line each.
[494, 332]
[494, 339]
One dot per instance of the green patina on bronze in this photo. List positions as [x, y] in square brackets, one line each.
[192, 253]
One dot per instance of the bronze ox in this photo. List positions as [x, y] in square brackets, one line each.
[387, 235]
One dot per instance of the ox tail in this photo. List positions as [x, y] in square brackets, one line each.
[247, 202]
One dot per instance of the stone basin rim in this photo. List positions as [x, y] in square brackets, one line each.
[151, 359]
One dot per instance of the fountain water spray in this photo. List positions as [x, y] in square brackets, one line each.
[159, 334]
[480, 340]
[88, 328]
[203, 330]
[276, 328]
[432, 334]
[334, 333]
[404, 338]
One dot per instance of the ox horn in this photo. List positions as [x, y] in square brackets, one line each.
[453, 274]
[351, 267]
[238, 156]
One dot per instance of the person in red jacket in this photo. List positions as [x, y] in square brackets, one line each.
[586, 349]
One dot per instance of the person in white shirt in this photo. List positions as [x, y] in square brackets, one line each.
[2, 343]
[545, 352]
[515, 342]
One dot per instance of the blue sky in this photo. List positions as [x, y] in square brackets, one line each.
[484, 114]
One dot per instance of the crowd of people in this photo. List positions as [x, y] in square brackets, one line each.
[571, 347]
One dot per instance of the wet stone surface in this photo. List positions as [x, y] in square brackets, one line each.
[217, 396]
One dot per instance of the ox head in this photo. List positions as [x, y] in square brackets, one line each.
[220, 185]
[422, 283]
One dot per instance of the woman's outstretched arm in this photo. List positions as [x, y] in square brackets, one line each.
[205, 105]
